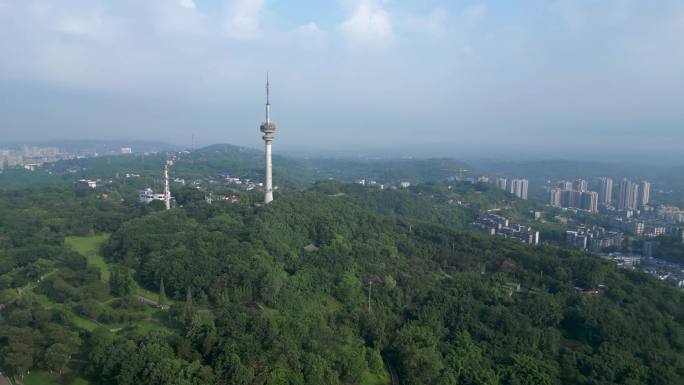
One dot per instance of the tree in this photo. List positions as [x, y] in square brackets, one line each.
[230, 368]
[18, 357]
[467, 365]
[420, 361]
[271, 284]
[57, 357]
[120, 282]
[529, 370]
[202, 333]
[162, 293]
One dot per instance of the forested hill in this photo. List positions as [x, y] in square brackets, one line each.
[318, 289]
[213, 162]
[387, 169]
[205, 163]
[242, 161]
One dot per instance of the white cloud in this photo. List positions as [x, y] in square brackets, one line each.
[311, 31]
[177, 19]
[475, 12]
[433, 24]
[369, 22]
[190, 4]
[243, 19]
[79, 27]
[571, 13]
[310, 28]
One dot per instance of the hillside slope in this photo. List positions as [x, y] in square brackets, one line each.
[251, 305]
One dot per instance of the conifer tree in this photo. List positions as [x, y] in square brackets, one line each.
[162, 293]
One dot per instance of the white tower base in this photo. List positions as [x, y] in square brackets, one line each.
[268, 197]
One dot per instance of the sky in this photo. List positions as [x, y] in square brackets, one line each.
[563, 78]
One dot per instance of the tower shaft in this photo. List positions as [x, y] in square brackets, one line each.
[268, 197]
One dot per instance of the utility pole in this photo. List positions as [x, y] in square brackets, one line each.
[370, 281]
[370, 289]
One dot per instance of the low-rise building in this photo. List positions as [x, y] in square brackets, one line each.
[670, 214]
[148, 196]
[87, 183]
[497, 225]
[593, 238]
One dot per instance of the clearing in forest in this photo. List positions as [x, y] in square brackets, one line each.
[90, 248]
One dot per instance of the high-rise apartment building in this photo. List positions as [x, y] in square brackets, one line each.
[565, 185]
[580, 185]
[555, 196]
[606, 191]
[574, 195]
[571, 198]
[501, 183]
[645, 195]
[629, 195]
[589, 201]
[519, 188]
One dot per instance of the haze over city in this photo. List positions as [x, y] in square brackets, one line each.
[567, 79]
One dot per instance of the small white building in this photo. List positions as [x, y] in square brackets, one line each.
[147, 196]
[88, 182]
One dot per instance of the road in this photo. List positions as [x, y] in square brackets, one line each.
[147, 301]
[393, 375]
[4, 380]
[29, 286]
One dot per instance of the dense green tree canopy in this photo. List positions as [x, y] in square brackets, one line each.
[394, 282]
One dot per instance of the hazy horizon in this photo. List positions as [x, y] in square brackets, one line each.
[552, 79]
[464, 155]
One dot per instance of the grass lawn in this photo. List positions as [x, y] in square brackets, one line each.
[42, 377]
[90, 248]
[138, 290]
[369, 378]
[149, 326]
[43, 300]
[85, 323]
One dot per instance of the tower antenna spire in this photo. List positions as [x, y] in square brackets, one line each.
[268, 99]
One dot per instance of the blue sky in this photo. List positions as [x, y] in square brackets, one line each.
[560, 77]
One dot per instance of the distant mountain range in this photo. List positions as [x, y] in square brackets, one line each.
[76, 146]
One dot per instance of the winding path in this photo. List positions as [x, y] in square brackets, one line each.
[394, 378]
[4, 380]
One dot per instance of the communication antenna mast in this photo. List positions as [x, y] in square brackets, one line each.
[369, 281]
[167, 191]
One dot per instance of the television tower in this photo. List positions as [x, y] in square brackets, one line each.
[167, 191]
[268, 128]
